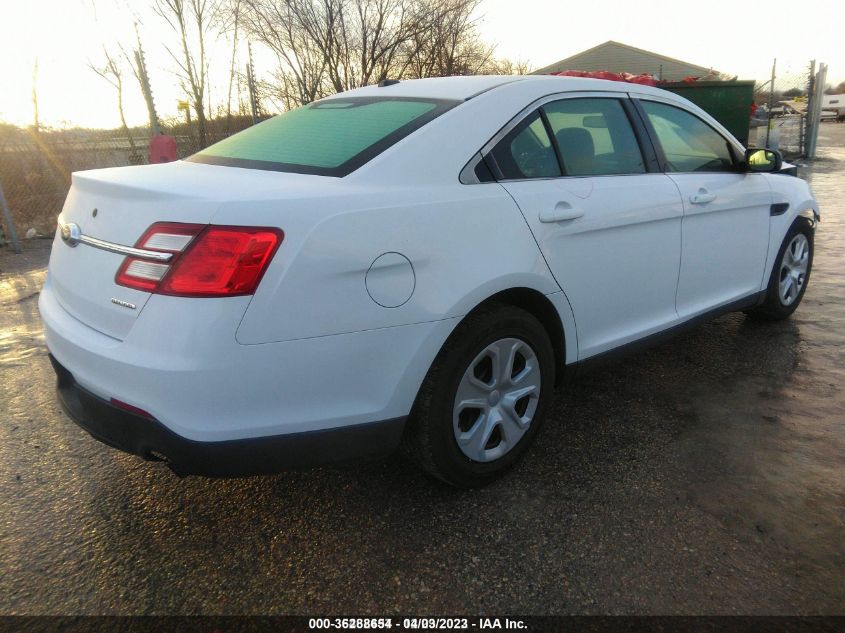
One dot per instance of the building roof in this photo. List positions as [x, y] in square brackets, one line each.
[621, 58]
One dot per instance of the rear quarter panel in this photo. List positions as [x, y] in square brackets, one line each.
[464, 243]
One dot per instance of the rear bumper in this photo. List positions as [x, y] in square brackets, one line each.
[150, 439]
[181, 363]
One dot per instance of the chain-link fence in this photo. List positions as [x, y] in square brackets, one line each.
[780, 121]
[35, 167]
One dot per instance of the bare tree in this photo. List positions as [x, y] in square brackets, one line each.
[450, 44]
[517, 67]
[301, 70]
[369, 43]
[112, 72]
[195, 22]
[328, 46]
[232, 25]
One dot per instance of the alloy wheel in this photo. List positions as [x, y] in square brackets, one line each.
[793, 269]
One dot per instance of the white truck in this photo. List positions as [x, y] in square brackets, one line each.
[834, 103]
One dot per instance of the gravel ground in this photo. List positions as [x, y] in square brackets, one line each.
[705, 475]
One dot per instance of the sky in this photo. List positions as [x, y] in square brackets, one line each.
[738, 38]
[735, 37]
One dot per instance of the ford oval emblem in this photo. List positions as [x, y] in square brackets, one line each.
[71, 234]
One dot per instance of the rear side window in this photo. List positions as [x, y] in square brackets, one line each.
[688, 142]
[526, 151]
[328, 138]
[595, 137]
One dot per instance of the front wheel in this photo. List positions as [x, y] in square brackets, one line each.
[484, 398]
[790, 274]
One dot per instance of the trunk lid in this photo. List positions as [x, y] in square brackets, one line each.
[116, 206]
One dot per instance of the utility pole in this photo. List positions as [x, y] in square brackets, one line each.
[807, 122]
[36, 124]
[250, 83]
[145, 85]
[814, 111]
[771, 102]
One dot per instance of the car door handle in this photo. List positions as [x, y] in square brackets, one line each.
[702, 197]
[562, 212]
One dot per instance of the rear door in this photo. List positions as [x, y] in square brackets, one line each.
[725, 230]
[606, 221]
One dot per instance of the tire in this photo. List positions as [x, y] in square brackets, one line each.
[790, 276]
[469, 446]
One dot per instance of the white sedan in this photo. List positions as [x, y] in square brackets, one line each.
[414, 263]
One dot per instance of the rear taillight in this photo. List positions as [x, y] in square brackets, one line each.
[207, 260]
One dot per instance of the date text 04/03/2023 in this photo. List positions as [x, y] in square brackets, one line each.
[413, 624]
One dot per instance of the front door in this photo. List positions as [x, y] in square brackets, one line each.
[725, 230]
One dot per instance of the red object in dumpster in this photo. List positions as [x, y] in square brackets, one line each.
[645, 80]
[162, 149]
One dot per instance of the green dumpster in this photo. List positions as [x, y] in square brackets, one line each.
[729, 102]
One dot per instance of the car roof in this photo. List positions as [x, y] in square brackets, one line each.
[488, 105]
[462, 88]
[455, 88]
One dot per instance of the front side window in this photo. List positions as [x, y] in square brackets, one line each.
[328, 138]
[595, 137]
[526, 151]
[688, 142]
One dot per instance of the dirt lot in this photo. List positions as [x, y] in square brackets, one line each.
[706, 475]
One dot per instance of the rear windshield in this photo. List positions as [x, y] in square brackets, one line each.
[327, 138]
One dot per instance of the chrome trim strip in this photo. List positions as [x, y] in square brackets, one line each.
[679, 102]
[125, 250]
[129, 251]
[467, 175]
[541, 101]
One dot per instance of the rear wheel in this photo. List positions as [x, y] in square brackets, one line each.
[790, 274]
[484, 398]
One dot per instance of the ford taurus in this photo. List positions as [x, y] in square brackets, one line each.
[417, 263]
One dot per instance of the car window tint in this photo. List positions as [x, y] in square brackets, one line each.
[330, 137]
[688, 142]
[526, 151]
[595, 137]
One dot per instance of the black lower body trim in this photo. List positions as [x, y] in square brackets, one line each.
[150, 439]
[594, 362]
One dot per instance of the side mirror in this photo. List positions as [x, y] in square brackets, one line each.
[763, 160]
